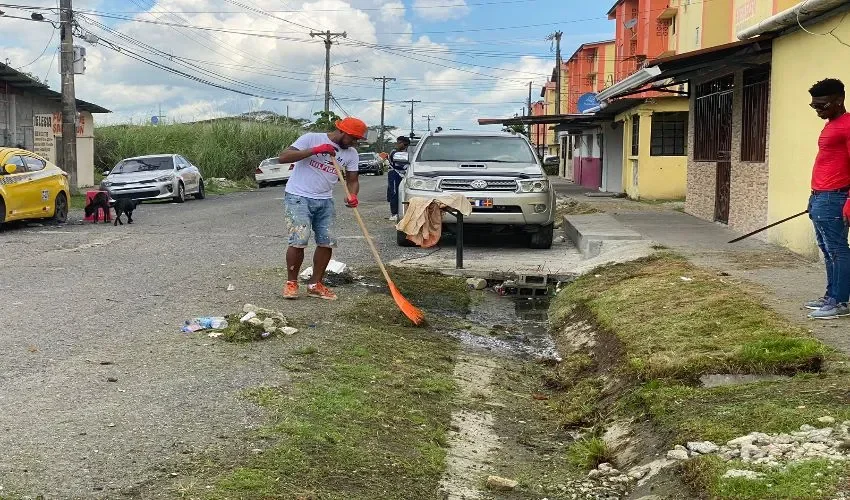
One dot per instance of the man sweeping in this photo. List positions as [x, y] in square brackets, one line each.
[829, 207]
[309, 201]
[395, 176]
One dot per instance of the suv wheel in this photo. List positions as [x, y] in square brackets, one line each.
[542, 239]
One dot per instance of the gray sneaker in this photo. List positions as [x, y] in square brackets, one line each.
[814, 305]
[831, 311]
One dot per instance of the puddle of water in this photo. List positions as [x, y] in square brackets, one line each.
[721, 379]
[515, 326]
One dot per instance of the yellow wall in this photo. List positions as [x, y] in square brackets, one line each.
[658, 177]
[794, 127]
[688, 19]
[717, 23]
[550, 110]
[610, 59]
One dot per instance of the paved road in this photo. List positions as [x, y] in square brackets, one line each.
[83, 303]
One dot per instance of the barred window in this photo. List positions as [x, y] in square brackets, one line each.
[635, 135]
[669, 134]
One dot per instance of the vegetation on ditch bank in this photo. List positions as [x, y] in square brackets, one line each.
[661, 323]
[230, 149]
[367, 413]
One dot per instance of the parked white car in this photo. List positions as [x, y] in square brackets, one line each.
[272, 171]
[154, 177]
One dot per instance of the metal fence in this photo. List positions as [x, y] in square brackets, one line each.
[713, 120]
[755, 106]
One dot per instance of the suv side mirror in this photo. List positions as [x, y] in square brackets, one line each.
[105, 173]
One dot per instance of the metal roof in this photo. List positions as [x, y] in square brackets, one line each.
[605, 115]
[24, 82]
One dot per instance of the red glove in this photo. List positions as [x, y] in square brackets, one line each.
[847, 212]
[352, 201]
[324, 149]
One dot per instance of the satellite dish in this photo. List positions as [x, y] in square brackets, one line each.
[631, 23]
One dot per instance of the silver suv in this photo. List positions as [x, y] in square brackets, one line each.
[497, 171]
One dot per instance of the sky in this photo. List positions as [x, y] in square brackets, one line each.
[463, 59]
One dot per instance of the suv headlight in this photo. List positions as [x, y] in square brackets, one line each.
[534, 186]
[422, 184]
[105, 183]
[165, 178]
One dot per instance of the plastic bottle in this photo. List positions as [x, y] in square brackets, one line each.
[214, 322]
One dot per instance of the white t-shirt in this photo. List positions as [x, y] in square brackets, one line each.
[315, 176]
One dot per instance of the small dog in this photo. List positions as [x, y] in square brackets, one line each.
[124, 206]
[98, 203]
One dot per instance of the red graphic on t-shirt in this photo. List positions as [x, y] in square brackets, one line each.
[324, 167]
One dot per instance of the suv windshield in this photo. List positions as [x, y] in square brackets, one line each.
[367, 156]
[489, 149]
[143, 165]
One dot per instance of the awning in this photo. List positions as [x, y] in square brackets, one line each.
[578, 120]
[680, 68]
[24, 82]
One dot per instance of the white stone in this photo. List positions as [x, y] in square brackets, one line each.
[820, 435]
[827, 420]
[288, 330]
[594, 473]
[747, 474]
[605, 468]
[677, 454]
[638, 472]
[750, 452]
[476, 283]
[782, 439]
[740, 441]
[702, 447]
[806, 428]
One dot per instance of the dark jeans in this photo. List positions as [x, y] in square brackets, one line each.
[825, 210]
[393, 182]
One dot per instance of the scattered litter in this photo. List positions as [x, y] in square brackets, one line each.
[685, 278]
[110, 425]
[337, 273]
[230, 288]
[288, 330]
[213, 335]
[476, 283]
[249, 316]
[501, 483]
[204, 323]
[111, 379]
[265, 335]
[746, 474]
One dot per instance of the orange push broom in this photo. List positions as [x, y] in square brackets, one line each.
[409, 310]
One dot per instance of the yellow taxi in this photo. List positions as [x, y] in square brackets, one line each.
[31, 187]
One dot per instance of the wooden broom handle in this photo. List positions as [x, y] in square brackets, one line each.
[362, 224]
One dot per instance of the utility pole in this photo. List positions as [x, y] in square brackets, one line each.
[529, 110]
[411, 116]
[384, 81]
[428, 117]
[557, 37]
[69, 100]
[328, 38]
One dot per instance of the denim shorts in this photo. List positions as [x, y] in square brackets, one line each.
[304, 215]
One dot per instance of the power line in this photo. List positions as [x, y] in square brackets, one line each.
[52, 34]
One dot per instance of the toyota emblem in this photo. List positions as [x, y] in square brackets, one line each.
[479, 184]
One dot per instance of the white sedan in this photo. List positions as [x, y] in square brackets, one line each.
[272, 171]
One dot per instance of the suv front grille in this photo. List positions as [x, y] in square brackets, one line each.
[467, 185]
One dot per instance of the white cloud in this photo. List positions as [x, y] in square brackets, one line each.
[290, 68]
[430, 10]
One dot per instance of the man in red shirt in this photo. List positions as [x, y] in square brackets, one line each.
[829, 207]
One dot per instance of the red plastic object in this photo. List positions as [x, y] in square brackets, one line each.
[107, 217]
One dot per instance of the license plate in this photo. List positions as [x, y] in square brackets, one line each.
[481, 202]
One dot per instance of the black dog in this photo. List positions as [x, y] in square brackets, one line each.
[99, 202]
[124, 206]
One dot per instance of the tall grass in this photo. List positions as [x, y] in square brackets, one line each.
[228, 149]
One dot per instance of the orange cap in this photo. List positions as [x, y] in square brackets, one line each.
[352, 126]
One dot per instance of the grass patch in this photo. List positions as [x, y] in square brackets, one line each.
[589, 453]
[214, 186]
[678, 321]
[573, 207]
[366, 418]
[425, 289]
[229, 149]
[813, 479]
[722, 413]
[77, 202]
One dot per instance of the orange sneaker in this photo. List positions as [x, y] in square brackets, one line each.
[290, 290]
[320, 291]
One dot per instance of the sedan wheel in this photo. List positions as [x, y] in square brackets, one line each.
[181, 193]
[201, 192]
[60, 208]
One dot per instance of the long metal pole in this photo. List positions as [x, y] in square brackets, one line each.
[69, 101]
[328, 37]
[558, 72]
[411, 116]
[384, 81]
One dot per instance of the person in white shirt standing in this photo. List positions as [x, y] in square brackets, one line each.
[309, 199]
